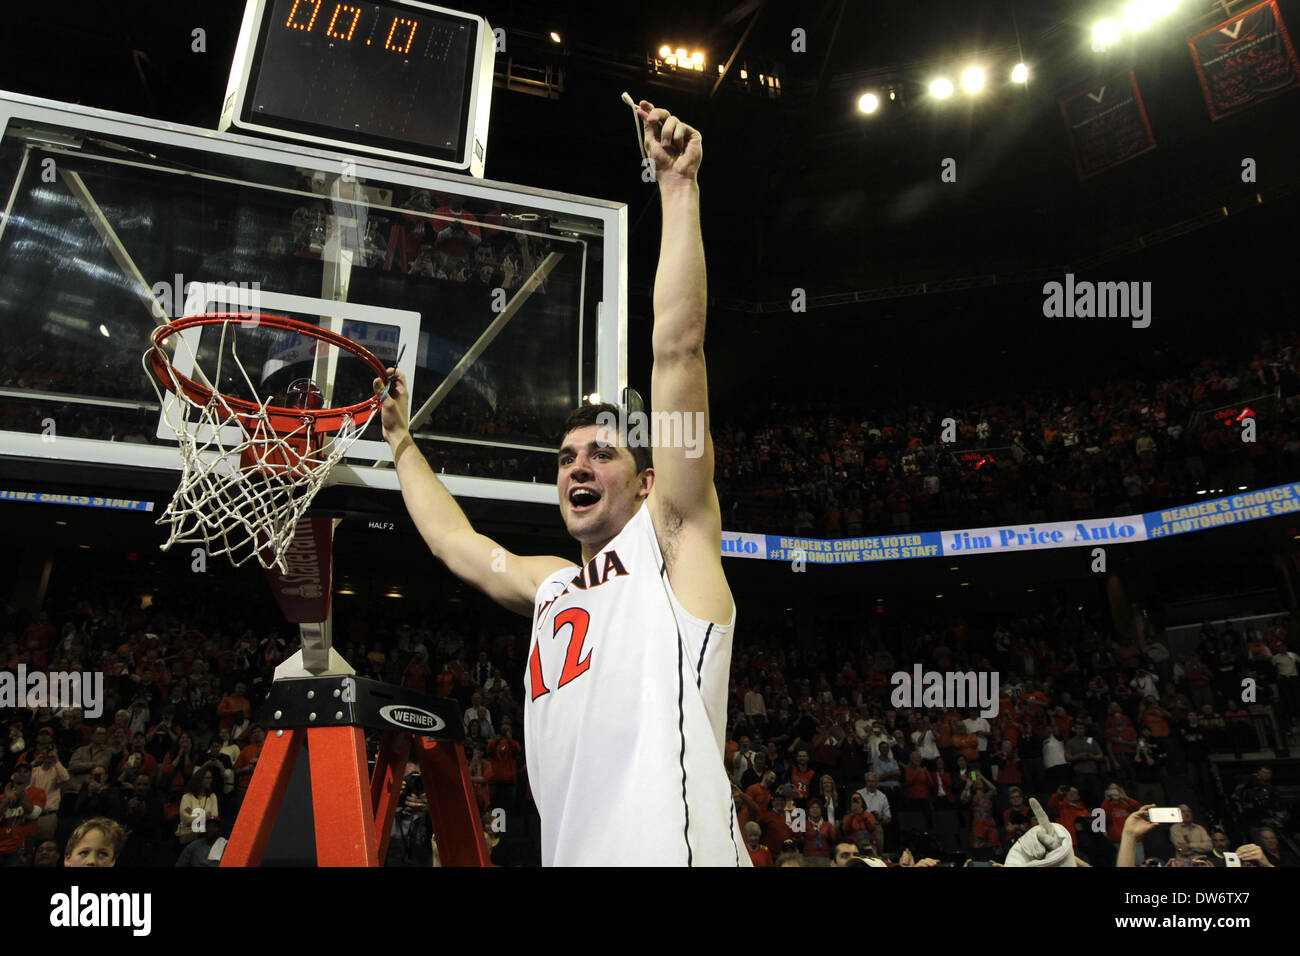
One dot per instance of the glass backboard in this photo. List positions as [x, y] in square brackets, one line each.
[507, 304]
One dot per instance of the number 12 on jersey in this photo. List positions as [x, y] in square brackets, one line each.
[575, 665]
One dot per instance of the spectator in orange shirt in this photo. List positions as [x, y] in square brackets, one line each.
[941, 787]
[234, 707]
[1067, 806]
[967, 745]
[1032, 696]
[1018, 818]
[858, 821]
[503, 753]
[761, 793]
[759, 854]
[919, 788]
[777, 818]
[819, 833]
[1154, 718]
[801, 776]
[247, 760]
[20, 807]
[1118, 805]
[1121, 741]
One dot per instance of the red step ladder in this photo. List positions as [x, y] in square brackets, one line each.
[353, 810]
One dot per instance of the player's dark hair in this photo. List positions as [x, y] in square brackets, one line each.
[586, 415]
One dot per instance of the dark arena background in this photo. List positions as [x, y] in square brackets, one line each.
[937, 451]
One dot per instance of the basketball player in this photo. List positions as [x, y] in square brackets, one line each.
[630, 651]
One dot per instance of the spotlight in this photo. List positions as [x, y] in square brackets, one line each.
[103, 330]
[868, 102]
[1104, 34]
[698, 60]
[594, 398]
[555, 37]
[1138, 14]
[665, 51]
[941, 88]
[893, 94]
[972, 79]
[1020, 74]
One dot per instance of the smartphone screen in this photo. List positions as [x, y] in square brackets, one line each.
[1165, 815]
[1231, 859]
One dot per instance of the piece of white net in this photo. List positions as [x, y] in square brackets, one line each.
[223, 503]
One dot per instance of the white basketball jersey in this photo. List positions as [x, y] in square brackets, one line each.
[625, 716]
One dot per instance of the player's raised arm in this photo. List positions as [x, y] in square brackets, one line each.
[684, 499]
[683, 459]
[509, 579]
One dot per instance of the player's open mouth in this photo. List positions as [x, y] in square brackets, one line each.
[583, 499]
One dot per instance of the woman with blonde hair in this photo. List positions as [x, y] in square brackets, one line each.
[827, 795]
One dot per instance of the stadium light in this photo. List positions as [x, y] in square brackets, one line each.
[941, 88]
[1105, 33]
[972, 79]
[868, 102]
[555, 37]
[1138, 14]
[1020, 74]
[665, 51]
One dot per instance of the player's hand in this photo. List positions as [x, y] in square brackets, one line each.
[675, 148]
[395, 415]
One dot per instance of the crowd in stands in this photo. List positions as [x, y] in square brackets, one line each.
[1047, 454]
[820, 756]
[818, 752]
[163, 772]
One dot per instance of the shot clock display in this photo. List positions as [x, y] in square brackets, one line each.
[398, 78]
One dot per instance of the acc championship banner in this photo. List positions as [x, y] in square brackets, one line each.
[1245, 60]
[1107, 124]
[121, 504]
[1212, 513]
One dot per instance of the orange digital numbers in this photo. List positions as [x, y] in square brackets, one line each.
[409, 27]
[345, 9]
[343, 24]
[293, 23]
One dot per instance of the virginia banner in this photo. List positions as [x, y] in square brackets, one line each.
[1107, 124]
[1245, 60]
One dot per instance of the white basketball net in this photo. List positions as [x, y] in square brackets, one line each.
[230, 509]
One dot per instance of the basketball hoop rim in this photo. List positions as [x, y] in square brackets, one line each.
[282, 420]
